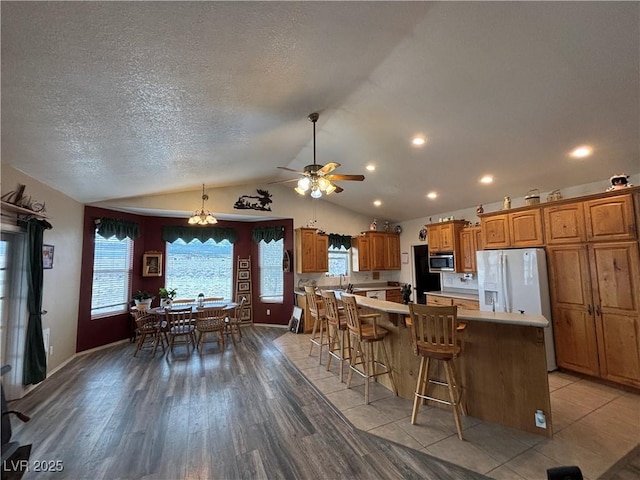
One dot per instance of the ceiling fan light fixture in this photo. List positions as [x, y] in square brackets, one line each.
[202, 217]
[330, 189]
[323, 183]
[303, 184]
[300, 191]
[315, 192]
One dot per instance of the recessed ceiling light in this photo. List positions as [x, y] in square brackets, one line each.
[418, 140]
[581, 151]
[370, 167]
[377, 203]
[486, 179]
[432, 195]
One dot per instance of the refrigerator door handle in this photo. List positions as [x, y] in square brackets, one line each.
[504, 272]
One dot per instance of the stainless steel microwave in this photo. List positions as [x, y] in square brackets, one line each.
[442, 262]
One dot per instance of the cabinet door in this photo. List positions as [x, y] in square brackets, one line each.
[615, 270]
[306, 250]
[468, 249]
[434, 238]
[377, 249]
[574, 327]
[466, 304]
[610, 219]
[525, 228]
[495, 231]
[447, 240]
[564, 224]
[478, 235]
[360, 254]
[393, 252]
[322, 253]
[394, 296]
[437, 300]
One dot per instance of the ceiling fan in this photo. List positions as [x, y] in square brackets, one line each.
[316, 178]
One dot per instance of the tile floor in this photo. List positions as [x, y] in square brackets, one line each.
[594, 425]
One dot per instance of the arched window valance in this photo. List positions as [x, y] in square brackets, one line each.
[337, 241]
[217, 234]
[121, 229]
[268, 234]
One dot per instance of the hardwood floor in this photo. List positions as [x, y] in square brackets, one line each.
[245, 412]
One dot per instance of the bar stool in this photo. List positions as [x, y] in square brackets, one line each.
[434, 337]
[319, 320]
[363, 337]
[337, 331]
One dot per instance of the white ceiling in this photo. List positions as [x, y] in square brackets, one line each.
[99, 96]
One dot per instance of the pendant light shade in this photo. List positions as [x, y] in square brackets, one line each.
[202, 217]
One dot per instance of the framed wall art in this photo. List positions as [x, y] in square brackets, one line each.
[244, 286]
[246, 296]
[244, 274]
[152, 264]
[47, 256]
[243, 265]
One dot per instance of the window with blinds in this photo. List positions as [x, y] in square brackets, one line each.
[112, 268]
[271, 272]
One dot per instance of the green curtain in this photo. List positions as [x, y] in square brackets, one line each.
[217, 234]
[268, 234]
[35, 358]
[337, 241]
[120, 228]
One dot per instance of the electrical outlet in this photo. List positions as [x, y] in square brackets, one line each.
[268, 311]
[541, 420]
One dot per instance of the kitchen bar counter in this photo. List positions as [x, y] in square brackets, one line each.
[502, 366]
[454, 294]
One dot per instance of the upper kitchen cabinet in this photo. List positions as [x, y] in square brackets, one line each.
[312, 251]
[602, 219]
[470, 243]
[443, 236]
[516, 229]
[610, 218]
[376, 251]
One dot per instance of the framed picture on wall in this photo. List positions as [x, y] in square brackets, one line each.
[245, 314]
[47, 256]
[152, 264]
[244, 274]
[243, 264]
[246, 296]
[244, 286]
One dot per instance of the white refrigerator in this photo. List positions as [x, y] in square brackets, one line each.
[516, 281]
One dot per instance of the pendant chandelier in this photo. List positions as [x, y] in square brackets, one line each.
[202, 217]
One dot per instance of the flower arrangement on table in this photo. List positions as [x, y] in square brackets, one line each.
[166, 296]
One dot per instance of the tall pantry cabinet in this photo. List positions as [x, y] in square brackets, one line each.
[594, 274]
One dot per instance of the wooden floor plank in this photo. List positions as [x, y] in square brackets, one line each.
[243, 412]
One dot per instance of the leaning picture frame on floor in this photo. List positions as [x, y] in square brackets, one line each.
[295, 325]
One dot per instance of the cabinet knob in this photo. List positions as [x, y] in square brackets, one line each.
[598, 312]
[589, 309]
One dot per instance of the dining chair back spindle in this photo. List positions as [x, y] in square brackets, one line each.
[210, 320]
[148, 329]
[234, 321]
[180, 325]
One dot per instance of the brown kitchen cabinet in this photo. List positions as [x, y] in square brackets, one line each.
[469, 237]
[394, 295]
[312, 251]
[602, 219]
[443, 236]
[462, 303]
[595, 290]
[376, 251]
[518, 229]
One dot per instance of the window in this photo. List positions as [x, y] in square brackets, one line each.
[271, 273]
[195, 267]
[112, 266]
[338, 261]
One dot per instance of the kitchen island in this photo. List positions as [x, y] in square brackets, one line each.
[502, 366]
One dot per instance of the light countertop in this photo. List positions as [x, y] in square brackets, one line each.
[468, 295]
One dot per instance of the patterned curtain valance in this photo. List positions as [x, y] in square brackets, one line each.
[217, 234]
[108, 227]
[268, 234]
[337, 241]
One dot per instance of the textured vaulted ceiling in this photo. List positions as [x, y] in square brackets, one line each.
[106, 100]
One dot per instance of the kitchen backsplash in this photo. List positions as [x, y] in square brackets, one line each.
[459, 281]
[321, 279]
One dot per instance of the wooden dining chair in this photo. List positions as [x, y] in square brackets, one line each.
[213, 299]
[148, 329]
[210, 320]
[180, 325]
[316, 311]
[234, 321]
[181, 302]
[339, 339]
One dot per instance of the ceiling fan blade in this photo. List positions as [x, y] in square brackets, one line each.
[337, 176]
[291, 170]
[338, 189]
[284, 181]
[329, 167]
